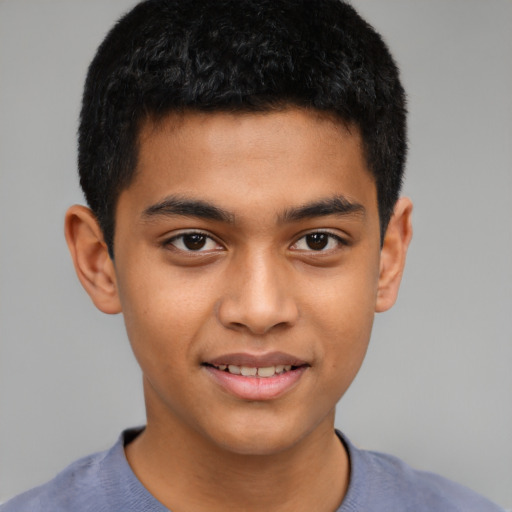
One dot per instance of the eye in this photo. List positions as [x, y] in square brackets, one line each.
[193, 242]
[318, 241]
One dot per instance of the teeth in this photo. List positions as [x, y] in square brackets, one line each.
[268, 371]
[234, 369]
[249, 371]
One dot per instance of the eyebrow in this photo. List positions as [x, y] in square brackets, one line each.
[337, 205]
[175, 205]
[179, 206]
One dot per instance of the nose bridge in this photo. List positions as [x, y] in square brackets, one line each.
[259, 296]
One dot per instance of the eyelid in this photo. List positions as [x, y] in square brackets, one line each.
[168, 241]
[342, 241]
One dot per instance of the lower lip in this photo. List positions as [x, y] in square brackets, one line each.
[257, 388]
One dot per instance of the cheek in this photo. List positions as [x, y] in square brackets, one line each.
[163, 317]
[344, 318]
[345, 344]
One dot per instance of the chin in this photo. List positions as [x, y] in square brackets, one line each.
[260, 440]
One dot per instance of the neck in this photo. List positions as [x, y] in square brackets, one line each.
[185, 471]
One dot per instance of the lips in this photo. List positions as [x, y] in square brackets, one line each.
[256, 377]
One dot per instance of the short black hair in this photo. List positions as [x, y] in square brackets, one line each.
[237, 55]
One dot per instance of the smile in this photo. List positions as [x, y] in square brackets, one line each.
[256, 377]
[253, 371]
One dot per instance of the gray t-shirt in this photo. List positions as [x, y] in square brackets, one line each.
[378, 483]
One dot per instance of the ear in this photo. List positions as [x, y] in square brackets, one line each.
[393, 253]
[93, 264]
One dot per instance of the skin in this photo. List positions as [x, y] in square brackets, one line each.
[258, 285]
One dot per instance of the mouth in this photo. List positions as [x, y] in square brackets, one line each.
[256, 378]
[263, 372]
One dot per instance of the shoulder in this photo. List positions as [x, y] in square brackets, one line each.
[100, 482]
[71, 489]
[424, 489]
[383, 483]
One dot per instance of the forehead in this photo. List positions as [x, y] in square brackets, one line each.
[282, 159]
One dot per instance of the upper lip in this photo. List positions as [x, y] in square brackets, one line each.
[256, 360]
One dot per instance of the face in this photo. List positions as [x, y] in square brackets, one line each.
[247, 257]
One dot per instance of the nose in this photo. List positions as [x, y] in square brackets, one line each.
[259, 296]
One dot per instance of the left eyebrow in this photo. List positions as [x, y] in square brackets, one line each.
[180, 206]
[337, 205]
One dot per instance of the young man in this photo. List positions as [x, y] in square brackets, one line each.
[242, 161]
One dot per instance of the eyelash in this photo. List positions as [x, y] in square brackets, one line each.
[206, 238]
[330, 237]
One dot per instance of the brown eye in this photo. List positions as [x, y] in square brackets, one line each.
[194, 241]
[317, 241]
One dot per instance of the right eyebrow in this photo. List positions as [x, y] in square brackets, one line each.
[173, 206]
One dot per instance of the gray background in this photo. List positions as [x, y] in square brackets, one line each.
[436, 387]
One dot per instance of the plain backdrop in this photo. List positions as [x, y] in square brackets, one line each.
[436, 388]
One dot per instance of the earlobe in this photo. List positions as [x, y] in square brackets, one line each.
[393, 254]
[93, 265]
